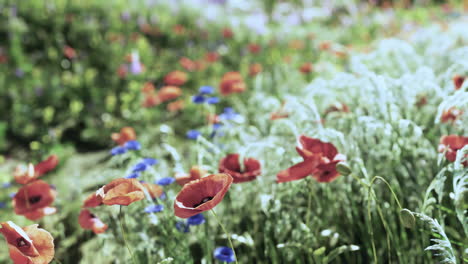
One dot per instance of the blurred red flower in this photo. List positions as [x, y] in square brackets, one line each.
[201, 195]
[211, 56]
[117, 192]
[89, 221]
[227, 33]
[458, 81]
[148, 87]
[25, 175]
[195, 173]
[188, 64]
[320, 161]
[306, 67]
[28, 245]
[176, 106]
[255, 69]
[125, 134]
[31, 199]
[451, 115]
[231, 165]
[176, 78]
[450, 145]
[69, 52]
[154, 190]
[232, 82]
[254, 48]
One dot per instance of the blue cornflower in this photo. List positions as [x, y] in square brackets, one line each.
[132, 145]
[139, 167]
[212, 100]
[198, 99]
[228, 114]
[206, 90]
[163, 196]
[225, 254]
[11, 195]
[118, 150]
[193, 134]
[6, 185]
[133, 175]
[155, 208]
[165, 181]
[150, 161]
[196, 219]
[2, 205]
[182, 227]
[217, 126]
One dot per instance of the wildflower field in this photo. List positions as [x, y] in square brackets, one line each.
[230, 131]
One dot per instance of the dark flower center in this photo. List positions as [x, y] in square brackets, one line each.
[92, 216]
[206, 199]
[21, 242]
[34, 199]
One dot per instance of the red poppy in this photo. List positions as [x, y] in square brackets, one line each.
[125, 134]
[150, 100]
[227, 33]
[194, 174]
[451, 115]
[232, 82]
[39, 213]
[451, 144]
[231, 165]
[122, 71]
[458, 81]
[33, 197]
[325, 45]
[254, 48]
[148, 87]
[176, 78]
[168, 93]
[179, 29]
[69, 52]
[89, 221]
[201, 195]
[255, 69]
[320, 161]
[211, 56]
[306, 67]
[28, 245]
[24, 174]
[421, 101]
[117, 192]
[188, 64]
[176, 106]
[46, 165]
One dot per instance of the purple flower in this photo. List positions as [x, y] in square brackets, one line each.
[139, 167]
[196, 219]
[150, 161]
[125, 16]
[133, 175]
[182, 227]
[212, 100]
[118, 150]
[132, 145]
[135, 65]
[6, 185]
[19, 73]
[155, 208]
[11, 195]
[198, 99]
[228, 114]
[165, 181]
[193, 134]
[206, 90]
[225, 254]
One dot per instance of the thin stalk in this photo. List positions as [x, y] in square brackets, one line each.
[124, 236]
[227, 234]
[309, 203]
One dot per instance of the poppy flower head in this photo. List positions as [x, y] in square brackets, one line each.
[150, 100]
[148, 87]
[451, 115]
[231, 165]
[300, 170]
[255, 69]
[176, 78]
[30, 244]
[125, 134]
[451, 144]
[123, 192]
[168, 93]
[311, 146]
[176, 106]
[232, 82]
[211, 56]
[458, 81]
[69, 52]
[254, 48]
[24, 174]
[154, 190]
[306, 67]
[227, 33]
[201, 195]
[32, 197]
[89, 221]
[187, 64]
[194, 174]
[46, 165]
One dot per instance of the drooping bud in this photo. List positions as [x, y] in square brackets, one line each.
[343, 168]
[407, 218]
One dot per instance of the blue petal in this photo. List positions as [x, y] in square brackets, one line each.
[196, 219]
[225, 254]
[165, 181]
[155, 208]
[139, 167]
[182, 227]
[133, 175]
[212, 100]
[118, 150]
[206, 90]
[193, 134]
[150, 161]
[198, 99]
[132, 145]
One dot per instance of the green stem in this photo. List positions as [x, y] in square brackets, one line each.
[124, 236]
[309, 203]
[227, 234]
[56, 260]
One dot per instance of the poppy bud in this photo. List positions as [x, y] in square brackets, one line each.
[343, 168]
[407, 218]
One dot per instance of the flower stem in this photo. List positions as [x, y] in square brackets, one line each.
[121, 221]
[309, 203]
[227, 234]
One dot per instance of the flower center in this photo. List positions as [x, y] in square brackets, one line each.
[206, 199]
[21, 242]
[34, 199]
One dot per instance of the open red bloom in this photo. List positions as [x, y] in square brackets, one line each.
[125, 134]
[451, 144]
[117, 192]
[320, 161]
[33, 197]
[232, 82]
[168, 93]
[187, 64]
[26, 174]
[176, 78]
[254, 48]
[227, 33]
[195, 174]
[211, 56]
[231, 165]
[201, 195]
[148, 87]
[255, 69]
[89, 221]
[451, 115]
[28, 245]
[458, 81]
[46, 165]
